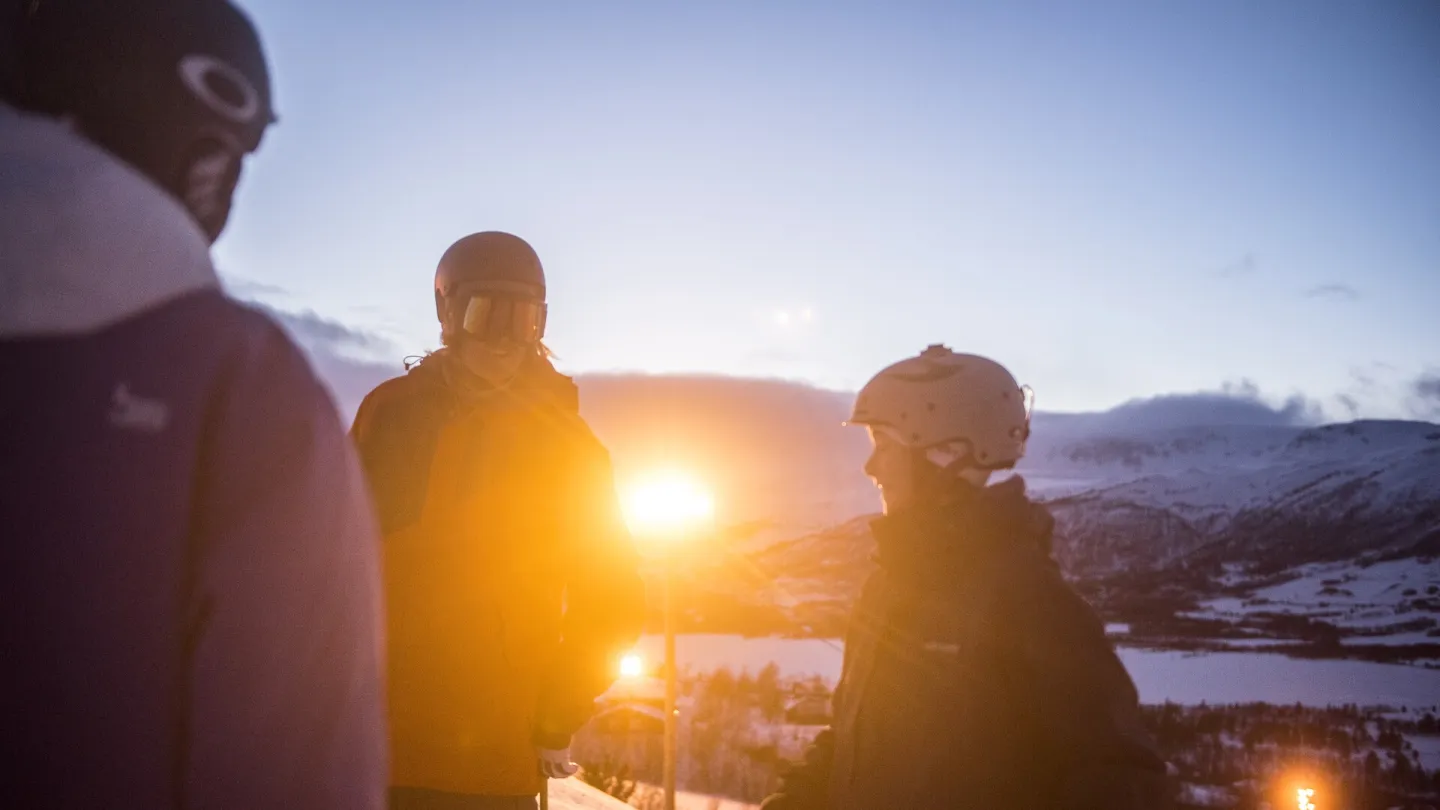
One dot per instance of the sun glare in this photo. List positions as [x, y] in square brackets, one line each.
[667, 502]
[632, 666]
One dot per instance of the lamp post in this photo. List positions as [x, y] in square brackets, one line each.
[665, 509]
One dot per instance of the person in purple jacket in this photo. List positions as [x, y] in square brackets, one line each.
[190, 609]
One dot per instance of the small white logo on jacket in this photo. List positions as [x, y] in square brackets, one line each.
[132, 412]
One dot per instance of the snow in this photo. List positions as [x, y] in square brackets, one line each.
[1180, 677]
[1197, 471]
[1380, 583]
[1218, 471]
[572, 794]
[1245, 643]
[1428, 747]
[1206, 796]
[699, 801]
[704, 652]
[1238, 677]
[1365, 599]
[1392, 640]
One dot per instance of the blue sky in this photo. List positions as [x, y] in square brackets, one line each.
[1117, 200]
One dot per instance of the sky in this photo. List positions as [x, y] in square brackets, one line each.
[1116, 200]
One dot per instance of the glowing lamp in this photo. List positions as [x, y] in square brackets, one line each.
[667, 503]
[632, 666]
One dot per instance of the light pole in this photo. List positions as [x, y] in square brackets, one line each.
[664, 509]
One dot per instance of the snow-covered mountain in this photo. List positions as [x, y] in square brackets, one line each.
[1147, 484]
[1153, 521]
[1274, 496]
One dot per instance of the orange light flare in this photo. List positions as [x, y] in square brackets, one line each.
[1305, 798]
[632, 666]
[667, 504]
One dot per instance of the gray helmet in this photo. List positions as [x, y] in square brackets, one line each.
[496, 268]
[942, 398]
[492, 261]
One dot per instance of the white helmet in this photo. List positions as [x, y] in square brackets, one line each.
[941, 399]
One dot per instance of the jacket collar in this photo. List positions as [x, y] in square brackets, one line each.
[88, 241]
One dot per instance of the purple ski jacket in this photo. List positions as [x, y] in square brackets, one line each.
[190, 609]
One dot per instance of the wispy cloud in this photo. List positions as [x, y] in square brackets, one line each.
[1236, 403]
[1334, 292]
[1244, 266]
[350, 360]
[248, 289]
[315, 331]
[1425, 395]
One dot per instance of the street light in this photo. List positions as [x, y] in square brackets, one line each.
[632, 666]
[665, 508]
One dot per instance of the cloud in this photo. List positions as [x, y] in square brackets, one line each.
[316, 332]
[1425, 395]
[1428, 387]
[1379, 390]
[1335, 292]
[349, 360]
[249, 289]
[1236, 403]
[346, 358]
[1244, 266]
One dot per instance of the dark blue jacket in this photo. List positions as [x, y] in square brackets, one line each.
[189, 600]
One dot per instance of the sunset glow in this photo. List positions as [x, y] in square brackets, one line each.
[632, 666]
[667, 502]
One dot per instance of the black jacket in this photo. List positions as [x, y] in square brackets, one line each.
[511, 581]
[975, 677]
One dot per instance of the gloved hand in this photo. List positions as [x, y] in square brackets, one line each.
[555, 762]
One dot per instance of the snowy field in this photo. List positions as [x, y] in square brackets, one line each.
[1180, 677]
[1390, 603]
[572, 794]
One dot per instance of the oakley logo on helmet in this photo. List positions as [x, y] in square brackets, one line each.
[220, 87]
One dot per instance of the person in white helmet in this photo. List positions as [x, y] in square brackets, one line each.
[974, 676]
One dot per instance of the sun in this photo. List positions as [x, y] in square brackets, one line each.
[666, 502]
[632, 666]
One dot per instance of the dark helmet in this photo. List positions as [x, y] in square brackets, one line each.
[491, 284]
[176, 88]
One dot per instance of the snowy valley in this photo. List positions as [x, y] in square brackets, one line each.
[1312, 541]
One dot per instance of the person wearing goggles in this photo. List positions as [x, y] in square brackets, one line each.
[512, 584]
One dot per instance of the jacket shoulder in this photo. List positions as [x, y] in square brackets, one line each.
[398, 399]
[561, 389]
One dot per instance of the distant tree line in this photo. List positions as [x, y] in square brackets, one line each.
[733, 743]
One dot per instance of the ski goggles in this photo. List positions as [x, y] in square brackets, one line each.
[500, 318]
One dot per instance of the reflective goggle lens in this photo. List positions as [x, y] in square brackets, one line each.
[503, 318]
